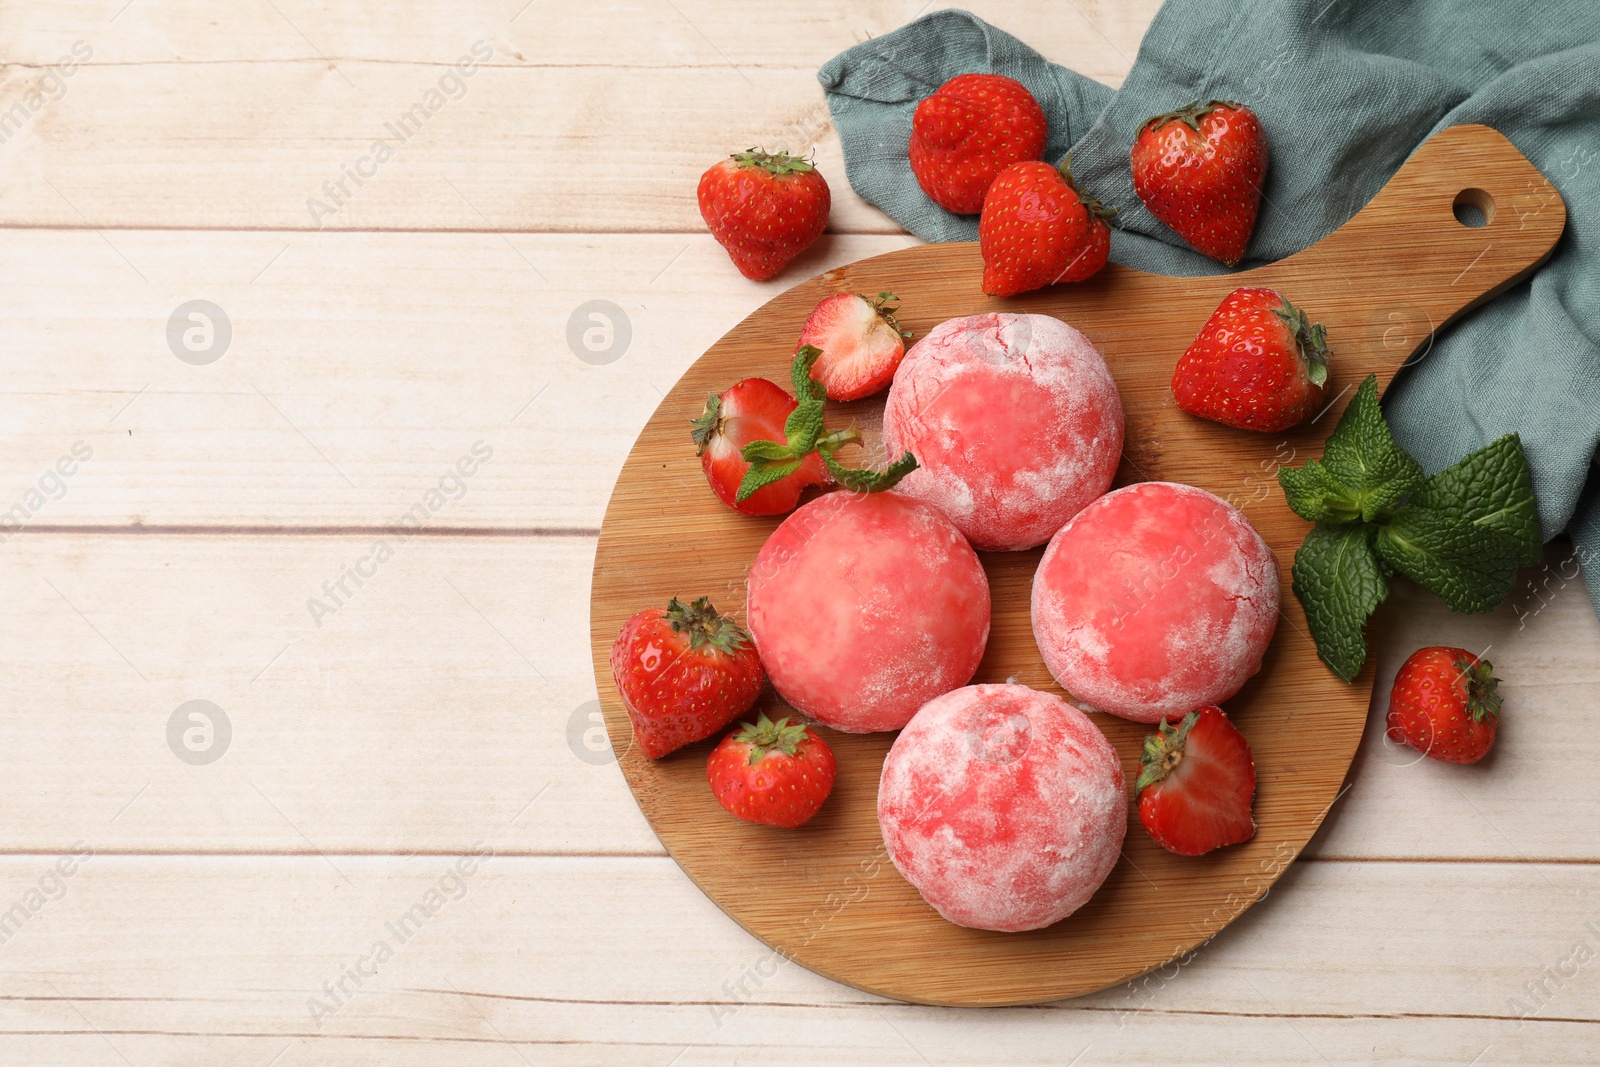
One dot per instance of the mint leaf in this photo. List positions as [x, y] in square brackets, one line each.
[1339, 580]
[1467, 530]
[1494, 489]
[766, 451]
[1317, 496]
[762, 474]
[805, 386]
[803, 427]
[870, 481]
[1361, 454]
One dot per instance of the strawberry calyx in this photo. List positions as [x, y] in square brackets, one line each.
[881, 304]
[1483, 692]
[1189, 114]
[705, 626]
[1095, 208]
[772, 461]
[1163, 751]
[708, 425]
[764, 735]
[777, 163]
[1310, 338]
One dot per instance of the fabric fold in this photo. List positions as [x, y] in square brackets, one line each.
[1346, 92]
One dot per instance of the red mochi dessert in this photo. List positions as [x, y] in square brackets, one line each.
[1014, 420]
[1155, 600]
[865, 606]
[1004, 806]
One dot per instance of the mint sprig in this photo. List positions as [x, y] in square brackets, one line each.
[1461, 533]
[1362, 473]
[771, 461]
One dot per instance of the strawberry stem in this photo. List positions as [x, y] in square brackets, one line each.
[773, 162]
[1163, 751]
[1189, 114]
[708, 425]
[1483, 693]
[764, 735]
[881, 304]
[1310, 338]
[1091, 203]
[705, 626]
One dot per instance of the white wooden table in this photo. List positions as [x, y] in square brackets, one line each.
[403, 849]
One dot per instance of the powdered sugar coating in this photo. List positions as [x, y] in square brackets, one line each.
[864, 607]
[1015, 421]
[1004, 806]
[1156, 599]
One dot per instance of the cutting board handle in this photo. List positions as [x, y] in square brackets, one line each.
[1474, 216]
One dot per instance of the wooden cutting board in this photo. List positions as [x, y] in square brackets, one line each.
[826, 895]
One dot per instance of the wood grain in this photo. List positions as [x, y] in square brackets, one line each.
[167, 125]
[201, 960]
[1404, 263]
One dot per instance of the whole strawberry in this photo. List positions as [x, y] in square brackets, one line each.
[1196, 783]
[753, 409]
[1258, 364]
[1199, 170]
[773, 773]
[1445, 704]
[973, 127]
[683, 674]
[765, 208]
[861, 344]
[1037, 230]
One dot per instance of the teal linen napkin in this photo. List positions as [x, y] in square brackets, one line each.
[1346, 91]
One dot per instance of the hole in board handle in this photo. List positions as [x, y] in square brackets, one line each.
[1473, 208]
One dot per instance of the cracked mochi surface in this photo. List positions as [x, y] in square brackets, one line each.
[1004, 806]
[865, 606]
[1156, 599]
[1015, 421]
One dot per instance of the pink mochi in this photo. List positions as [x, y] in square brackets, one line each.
[1156, 599]
[865, 606]
[1014, 420]
[1004, 806]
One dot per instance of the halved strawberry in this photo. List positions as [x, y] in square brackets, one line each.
[752, 409]
[1196, 784]
[861, 344]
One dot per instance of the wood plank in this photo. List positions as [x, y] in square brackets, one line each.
[408, 722]
[345, 393]
[1095, 37]
[622, 960]
[447, 698]
[179, 119]
[1303, 723]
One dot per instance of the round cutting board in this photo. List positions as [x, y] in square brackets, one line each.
[826, 895]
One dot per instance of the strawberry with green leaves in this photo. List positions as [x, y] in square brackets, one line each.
[773, 773]
[765, 208]
[779, 458]
[752, 409]
[1461, 533]
[1259, 363]
[1037, 230]
[1445, 704]
[1196, 783]
[1199, 170]
[683, 674]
